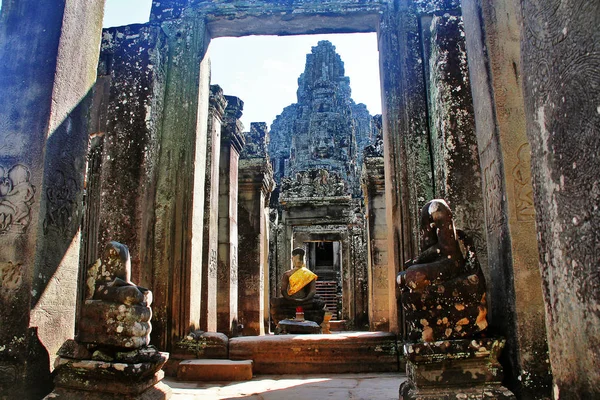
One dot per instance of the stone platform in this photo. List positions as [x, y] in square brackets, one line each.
[349, 352]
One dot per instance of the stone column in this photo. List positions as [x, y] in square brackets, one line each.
[127, 115]
[255, 185]
[493, 31]
[561, 89]
[49, 56]
[232, 143]
[407, 157]
[457, 174]
[211, 210]
[381, 281]
[179, 200]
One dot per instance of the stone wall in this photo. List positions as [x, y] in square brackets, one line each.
[514, 284]
[49, 57]
[561, 79]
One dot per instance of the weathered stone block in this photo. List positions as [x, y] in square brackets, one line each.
[214, 370]
[454, 369]
[108, 377]
[204, 345]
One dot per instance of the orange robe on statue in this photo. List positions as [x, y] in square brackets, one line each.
[300, 278]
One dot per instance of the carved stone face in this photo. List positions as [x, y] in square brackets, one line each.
[323, 148]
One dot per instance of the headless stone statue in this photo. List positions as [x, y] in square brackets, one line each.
[298, 289]
[116, 311]
[443, 290]
[110, 358]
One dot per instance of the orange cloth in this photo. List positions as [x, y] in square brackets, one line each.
[300, 278]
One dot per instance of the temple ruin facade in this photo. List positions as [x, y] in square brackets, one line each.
[120, 135]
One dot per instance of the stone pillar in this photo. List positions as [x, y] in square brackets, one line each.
[457, 174]
[179, 199]
[407, 157]
[232, 143]
[211, 210]
[255, 185]
[381, 284]
[561, 81]
[493, 31]
[49, 56]
[126, 114]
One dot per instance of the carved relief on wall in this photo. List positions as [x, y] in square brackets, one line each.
[314, 183]
[16, 198]
[61, 208]
[522, 184]
[493, 196]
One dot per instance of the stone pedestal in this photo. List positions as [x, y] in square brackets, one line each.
[454, 369]
[255, 185]
[208, 320]
[297, 326]
[120, 375]
[232, 142]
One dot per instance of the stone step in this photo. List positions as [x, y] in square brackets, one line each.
[348, 352]
[214, 370]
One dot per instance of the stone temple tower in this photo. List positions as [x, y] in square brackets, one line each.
[316, 149]
[325, 129]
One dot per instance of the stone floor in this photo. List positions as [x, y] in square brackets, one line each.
[368, 386]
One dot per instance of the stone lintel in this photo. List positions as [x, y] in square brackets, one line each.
[279, 17]
[288, 202]
[437, 6]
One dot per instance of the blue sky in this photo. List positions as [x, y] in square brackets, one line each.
[263, 70]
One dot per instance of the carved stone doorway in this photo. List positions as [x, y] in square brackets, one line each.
[324, 259]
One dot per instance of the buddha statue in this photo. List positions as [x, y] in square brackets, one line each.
[443, 289]
[298, 289]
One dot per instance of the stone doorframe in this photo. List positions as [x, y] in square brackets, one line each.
[190, 27]
[338, 233]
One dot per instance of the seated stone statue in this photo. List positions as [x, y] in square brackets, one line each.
[116, 312]
[298, 288]
[443, 290]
